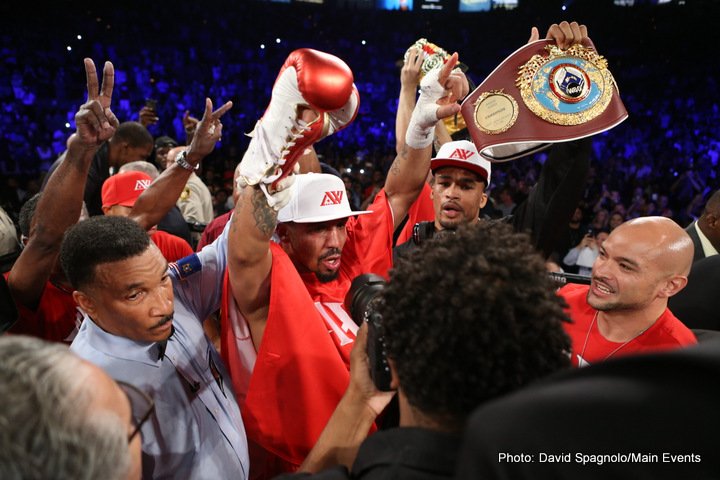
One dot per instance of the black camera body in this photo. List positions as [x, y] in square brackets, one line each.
[361, 302]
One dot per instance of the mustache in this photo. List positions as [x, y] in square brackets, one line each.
[164, 320]
[330, 253]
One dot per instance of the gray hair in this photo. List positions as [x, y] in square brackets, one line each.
[140, 166]
[45, 429]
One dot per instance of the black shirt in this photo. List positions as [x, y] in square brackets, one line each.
[398, 454]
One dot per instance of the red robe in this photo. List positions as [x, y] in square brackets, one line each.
[289, 389]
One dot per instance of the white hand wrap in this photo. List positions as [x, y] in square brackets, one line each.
[283, 190]
[424, 117]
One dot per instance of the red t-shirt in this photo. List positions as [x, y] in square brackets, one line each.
[171, 246]
[213, 230]
[589, 346]
[422, 210]
[289, 389]
[56, 318]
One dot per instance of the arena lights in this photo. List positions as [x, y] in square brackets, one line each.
[277, 40]
[69, 48]
[79, 37]
[67, 124]
[363, 42]
[262, 46]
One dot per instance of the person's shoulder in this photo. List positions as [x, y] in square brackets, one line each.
[83, 344]
[675, 330]
[573, 291]
[168, 237]
[185, 267]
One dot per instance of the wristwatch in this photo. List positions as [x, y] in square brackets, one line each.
[181, 160]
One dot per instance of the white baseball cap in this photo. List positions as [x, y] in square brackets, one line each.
[317, 197]
[461, 154]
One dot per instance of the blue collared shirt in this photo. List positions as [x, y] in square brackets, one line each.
[197, 430]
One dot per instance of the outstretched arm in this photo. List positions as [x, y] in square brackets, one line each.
[61, 201]
[249, 258]
[163, 193]
[440, 90]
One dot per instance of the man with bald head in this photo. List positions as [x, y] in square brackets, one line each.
[641, 265]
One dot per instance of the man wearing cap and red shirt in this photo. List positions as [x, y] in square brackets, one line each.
[286, 337]
[119, 194]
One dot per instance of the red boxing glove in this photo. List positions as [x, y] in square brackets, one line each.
[308, 78]
[324, 81]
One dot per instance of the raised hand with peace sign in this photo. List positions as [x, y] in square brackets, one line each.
[95, 121]
[162, 194]
[207, 133]
[59, 208]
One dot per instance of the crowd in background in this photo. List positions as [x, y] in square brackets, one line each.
[661, 161]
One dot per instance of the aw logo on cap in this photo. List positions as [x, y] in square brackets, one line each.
[142, 184]
[333, 197]
[461, 154]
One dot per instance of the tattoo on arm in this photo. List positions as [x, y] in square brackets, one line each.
[265, 216]
[395, 167]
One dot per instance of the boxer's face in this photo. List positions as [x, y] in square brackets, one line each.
[315, 247]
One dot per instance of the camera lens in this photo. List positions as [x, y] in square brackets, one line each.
[363, 290]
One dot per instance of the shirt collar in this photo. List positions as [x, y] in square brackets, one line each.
[707, 246]
[121, 347]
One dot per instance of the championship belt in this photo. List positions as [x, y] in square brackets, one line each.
[541, 95]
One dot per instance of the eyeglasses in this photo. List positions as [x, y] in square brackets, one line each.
[141, 406]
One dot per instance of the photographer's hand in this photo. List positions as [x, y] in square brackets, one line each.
[361, 388]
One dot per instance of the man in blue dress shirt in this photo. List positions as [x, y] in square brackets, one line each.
[143, 325]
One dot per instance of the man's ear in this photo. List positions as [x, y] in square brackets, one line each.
[673, 285]
[85, 302]
[283, 232]
[483, 200]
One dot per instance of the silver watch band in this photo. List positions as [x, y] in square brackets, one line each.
[181, 160]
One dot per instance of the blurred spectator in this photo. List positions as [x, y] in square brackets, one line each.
[64, 417]
[616, 218]
[506, 204]
[583, 255]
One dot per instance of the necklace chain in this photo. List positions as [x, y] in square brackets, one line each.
[587, 337]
